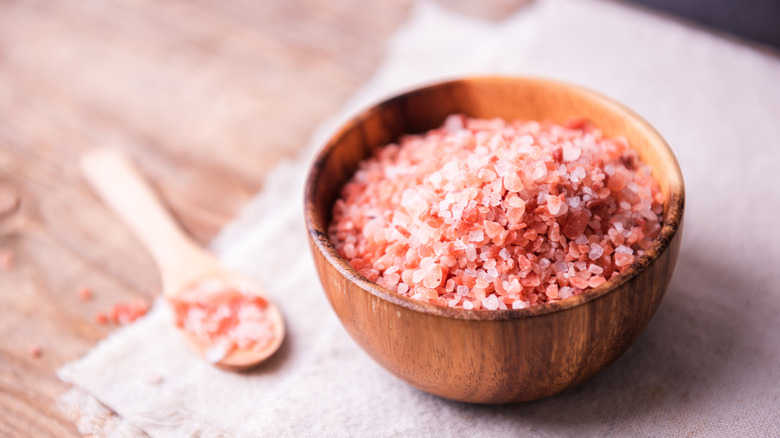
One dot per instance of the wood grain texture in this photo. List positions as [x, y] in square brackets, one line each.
[205, 95]
[493, 356]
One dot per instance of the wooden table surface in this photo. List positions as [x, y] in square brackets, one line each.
[206, 95]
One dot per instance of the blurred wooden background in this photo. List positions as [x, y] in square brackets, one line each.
[206, 95]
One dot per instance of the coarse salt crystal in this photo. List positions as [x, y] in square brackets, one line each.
[476, 236]
[571, 153]
[623, 259]
[578, 174]
[490, 302]
[513, 182]
[595, 252]
[554, 205]
[518, 304]
[540, 170]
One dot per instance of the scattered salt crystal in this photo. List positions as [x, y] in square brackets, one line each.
[152, 378]
[85, 294]
[505, 254]
[215, 353]
[100, 318]
[462, 290]
[34, 350]
[6, 260]
[468, 305]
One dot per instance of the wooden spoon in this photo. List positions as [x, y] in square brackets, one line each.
[181, 262]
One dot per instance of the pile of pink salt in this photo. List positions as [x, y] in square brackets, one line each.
[496, 215]
[223, 318]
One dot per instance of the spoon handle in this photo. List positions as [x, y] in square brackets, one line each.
[114, 177]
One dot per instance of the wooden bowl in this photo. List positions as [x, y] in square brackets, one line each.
[500, 356]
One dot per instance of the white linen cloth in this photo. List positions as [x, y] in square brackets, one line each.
[707, 365]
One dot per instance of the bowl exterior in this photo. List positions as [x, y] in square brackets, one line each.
[498, 361]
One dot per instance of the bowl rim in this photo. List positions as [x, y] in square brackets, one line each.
[671, 223]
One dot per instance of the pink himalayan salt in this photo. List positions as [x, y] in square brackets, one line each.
[123, 313]
[493, 214]
[85, 294]
[223, 318]
[6, 260]
[34, 351]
